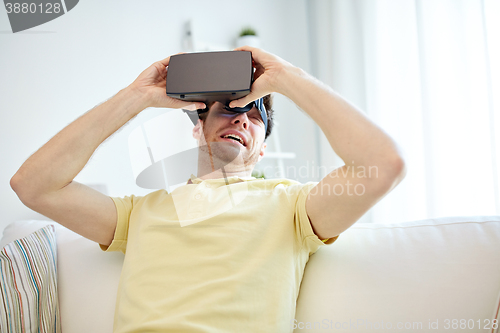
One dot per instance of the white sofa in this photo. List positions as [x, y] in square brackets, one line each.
[436, 275]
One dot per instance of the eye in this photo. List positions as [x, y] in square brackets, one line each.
[258, 121]
[226, 111]
[257, 117]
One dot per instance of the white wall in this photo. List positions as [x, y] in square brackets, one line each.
[52, 74]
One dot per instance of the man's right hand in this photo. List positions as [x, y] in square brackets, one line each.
[45, 182]
[151, 84]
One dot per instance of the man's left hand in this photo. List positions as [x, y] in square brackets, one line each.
[267, 77]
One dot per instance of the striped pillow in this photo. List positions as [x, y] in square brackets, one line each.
[28, 284]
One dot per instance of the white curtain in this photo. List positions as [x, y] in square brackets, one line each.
[428, 73]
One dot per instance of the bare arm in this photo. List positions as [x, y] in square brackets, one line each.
[333, 205]
[45, 183]
[373, 163]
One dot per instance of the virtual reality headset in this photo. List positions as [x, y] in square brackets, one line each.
[212, 77]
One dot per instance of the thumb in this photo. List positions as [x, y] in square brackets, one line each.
[257, 91]
[192, 106]
[174, 103]
[239, 103]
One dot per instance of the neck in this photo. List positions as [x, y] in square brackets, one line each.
[211, 167]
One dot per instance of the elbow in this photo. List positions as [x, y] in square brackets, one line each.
[399, 168]
[395, 172]
[16, 184]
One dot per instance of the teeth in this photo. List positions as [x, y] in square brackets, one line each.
[235, 137]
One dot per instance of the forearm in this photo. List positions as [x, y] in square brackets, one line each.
[58, 162]
[353, 137]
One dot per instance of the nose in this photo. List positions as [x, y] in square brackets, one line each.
[241, 119]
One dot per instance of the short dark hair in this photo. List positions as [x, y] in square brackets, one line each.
[268, 104]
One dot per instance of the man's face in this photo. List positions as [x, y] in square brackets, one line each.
[231, 134]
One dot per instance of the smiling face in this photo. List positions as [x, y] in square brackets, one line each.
[232, 135]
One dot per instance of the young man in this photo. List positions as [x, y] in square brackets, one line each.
[225, 252]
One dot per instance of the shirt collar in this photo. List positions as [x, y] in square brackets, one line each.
[228, 180]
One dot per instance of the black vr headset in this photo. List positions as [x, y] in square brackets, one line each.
[213, 77]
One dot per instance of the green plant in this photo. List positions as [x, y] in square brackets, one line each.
[248, 32]
[258, 174]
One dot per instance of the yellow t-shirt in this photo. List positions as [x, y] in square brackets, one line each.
[219, 255]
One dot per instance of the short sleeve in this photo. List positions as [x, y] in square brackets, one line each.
[124, 208]
[302, 223]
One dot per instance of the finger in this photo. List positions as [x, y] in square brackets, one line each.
[192, 106]
[252, 96]
[239, 103]
[178, 104]
[166, 61]
[245, 48]
[258, 55]
[253, 50]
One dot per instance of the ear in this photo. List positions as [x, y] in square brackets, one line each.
[197, 129]
[262, 149]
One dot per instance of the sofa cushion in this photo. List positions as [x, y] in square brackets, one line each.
[88, 283]
[87, 277]
[28, 276]
[438, 272]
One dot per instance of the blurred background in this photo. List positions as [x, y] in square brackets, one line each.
[427, 72]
